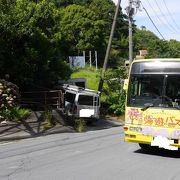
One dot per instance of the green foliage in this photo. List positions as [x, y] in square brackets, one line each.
[38, 36]
[81, 29]
[118, 52]
[105, 10]
[48, 118]
[80, 125]
[113, 96]
[156, 47]
[174, 48]
[17, 113]
[117, 103]
[91, 75]
[64, 3]
[30, 43]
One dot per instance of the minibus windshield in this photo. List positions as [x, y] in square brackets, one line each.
[159, 90]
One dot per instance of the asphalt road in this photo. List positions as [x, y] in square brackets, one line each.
[93, 155]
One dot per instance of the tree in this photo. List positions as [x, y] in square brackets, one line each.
[81, 30]
[156, 47]
[143, 39]
[105, 10]
[30, 42]
[174, 48]
[65, 3]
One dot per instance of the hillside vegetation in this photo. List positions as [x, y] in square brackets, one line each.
[91, 75]
[112, 97]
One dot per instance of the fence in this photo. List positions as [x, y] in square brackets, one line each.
[42, 99]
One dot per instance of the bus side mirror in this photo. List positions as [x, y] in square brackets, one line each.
[125, 87]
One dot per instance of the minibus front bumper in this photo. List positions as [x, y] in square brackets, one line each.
[134, 134]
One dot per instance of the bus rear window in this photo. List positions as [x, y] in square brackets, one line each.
[85, 100]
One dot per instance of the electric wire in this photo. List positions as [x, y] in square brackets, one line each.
[167, 22]
[161, 20]
[155, 25]
[170, 14]
[158, 18]
[152, 22]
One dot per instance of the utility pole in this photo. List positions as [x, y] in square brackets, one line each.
[108, 48]
[96, 59]
[130, 12]
[90, 59]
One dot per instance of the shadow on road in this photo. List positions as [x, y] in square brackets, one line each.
[33, 126]
[102, 124]
[159, 152]
[90, 126]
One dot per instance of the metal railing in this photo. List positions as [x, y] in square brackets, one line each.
[42, 99]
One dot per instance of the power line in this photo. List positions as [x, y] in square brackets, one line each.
[171, 15]
[165, 18]
[149, 4]
[152, 21]
[162, 21]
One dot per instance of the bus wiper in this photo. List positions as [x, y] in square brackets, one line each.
[146, 106]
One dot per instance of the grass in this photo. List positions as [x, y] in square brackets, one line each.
[48, 120]
[80, 125]
[91, 74]
[18, 114]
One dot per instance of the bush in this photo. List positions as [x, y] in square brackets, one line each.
[9, 102]
[48, 118]
[9, 98]
[17, 113]
[118, 106]
[80, 125]
[113, 96]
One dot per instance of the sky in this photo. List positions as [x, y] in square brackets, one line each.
[164, 13]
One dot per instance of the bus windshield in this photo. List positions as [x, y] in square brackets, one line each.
[157, 90]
